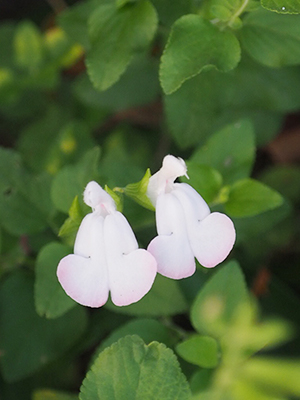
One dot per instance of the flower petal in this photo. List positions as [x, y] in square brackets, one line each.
[131, 277]
[131, 270]
[171, 247]
[194, 206]
[84, 275]
[83, 280]
[162, 181]
[87, 237]
[97, 198]
[213, 239]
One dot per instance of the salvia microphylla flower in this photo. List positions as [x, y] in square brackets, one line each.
[106, 257]
[186, 228]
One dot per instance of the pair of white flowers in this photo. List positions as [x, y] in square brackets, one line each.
[106, 255]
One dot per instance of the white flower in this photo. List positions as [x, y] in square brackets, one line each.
[106, 257]
[186, 228]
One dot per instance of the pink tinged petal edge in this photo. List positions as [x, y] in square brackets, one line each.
[213, 239]
[83, 281]
[131, 270]
[84, 275]
[174, 256]
[131, 277]
[171, 247]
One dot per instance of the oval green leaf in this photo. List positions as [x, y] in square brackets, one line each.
[194, 45]
[282, 6]
[249, 197]
[199, 350]
[131, 370]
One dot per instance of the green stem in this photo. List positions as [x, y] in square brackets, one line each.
[238, 12]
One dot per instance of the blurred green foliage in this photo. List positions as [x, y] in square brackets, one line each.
[103, 92]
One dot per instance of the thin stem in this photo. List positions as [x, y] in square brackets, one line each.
[238, 12]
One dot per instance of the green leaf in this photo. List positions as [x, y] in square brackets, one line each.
[229, 11]
[28, 342]
[169, 11]
[206, 180]
[282, 6]
[267, 334]
[25, 204]
[122, 3]
[199, 350]
[147, 329]
[247, 390]
[217, 303]
[116, 35]
[137, 191]
[28, 45]
[208, 102]
[50, 299]
[231, 151]
[72, 223]
[194, 45]
[117, 196]
[272, 39]
[165, 298]
[138, 85]
[280, 376]
[48, 394]
[131, 370]
[72, 179]
[249, 197]
[74, 21]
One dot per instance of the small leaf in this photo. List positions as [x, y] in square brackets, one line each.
[117, 197]
[71, 224]
[199, 350]
[231, 151]
[275, 375]
[194, 45]
[28, 46]
[217, 303]
[249, 197]
[116, 35]
[272, 39]
[267, 334]
[137, 191]
[282, 6]
[50, 299]
[131, 370]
